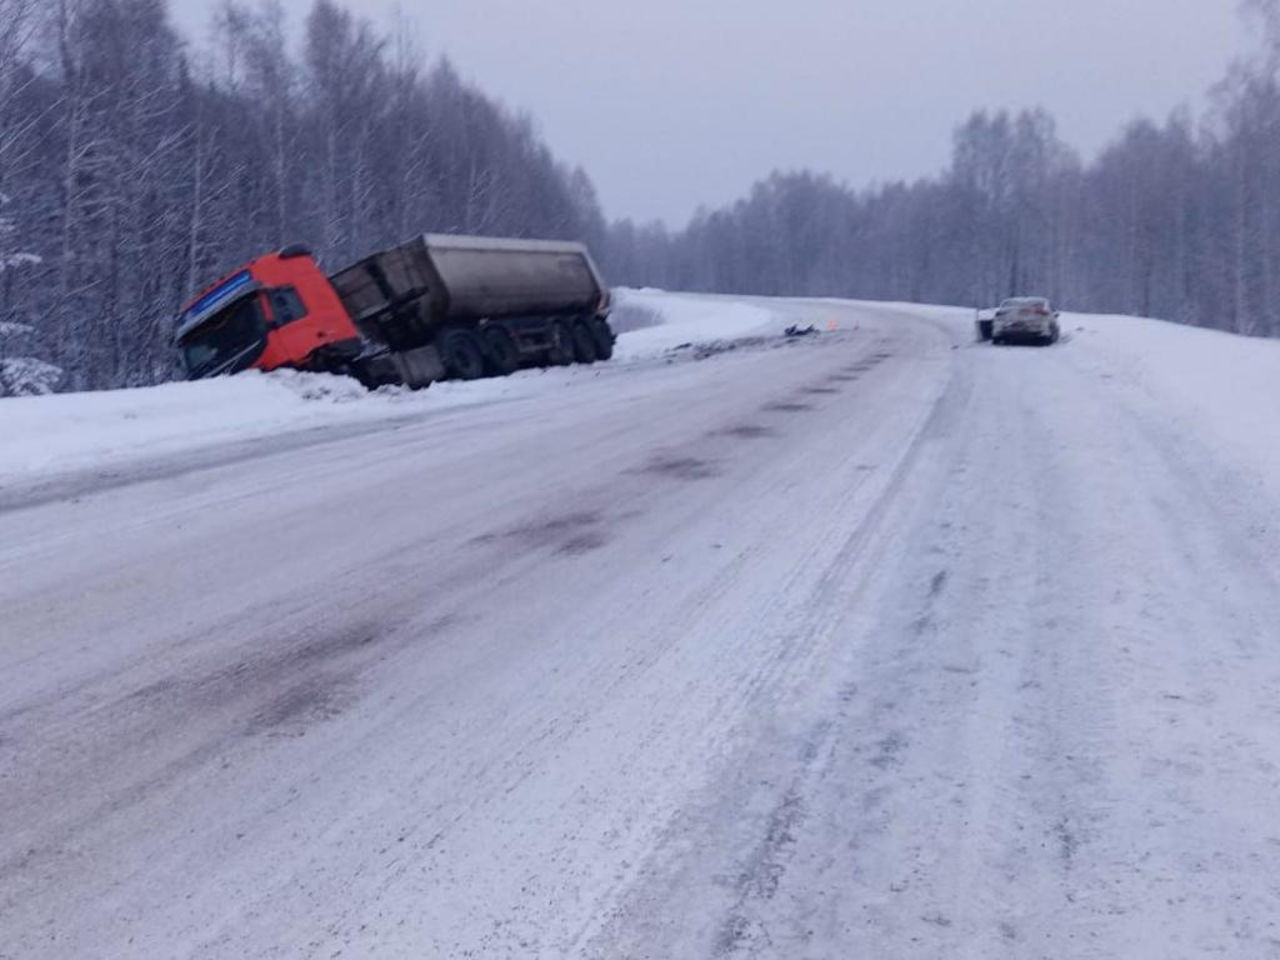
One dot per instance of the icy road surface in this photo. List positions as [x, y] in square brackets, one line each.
[881, 644]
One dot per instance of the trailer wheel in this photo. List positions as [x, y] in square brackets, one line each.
[560, 353]
[603, 334]
[584, 343]
[500, 349]
[461, 353]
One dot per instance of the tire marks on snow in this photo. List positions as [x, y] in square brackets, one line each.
[282, 687]
[787, 406]
[760, 874]
[745, 431]
[570, 534]
[682, 467]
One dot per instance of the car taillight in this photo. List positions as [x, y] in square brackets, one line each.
[1041, 312]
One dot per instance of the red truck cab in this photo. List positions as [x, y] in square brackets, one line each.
[276, 311]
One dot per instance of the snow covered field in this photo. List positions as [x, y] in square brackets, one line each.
[881, 643]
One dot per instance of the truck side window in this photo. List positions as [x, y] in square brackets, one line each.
[286, 305]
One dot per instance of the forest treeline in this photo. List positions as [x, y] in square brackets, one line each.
[133, 171]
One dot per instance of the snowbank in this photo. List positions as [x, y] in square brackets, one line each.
[1223, 388]
[49, 435]
[690, 318]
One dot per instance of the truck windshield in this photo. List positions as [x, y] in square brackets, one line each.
[229, 341]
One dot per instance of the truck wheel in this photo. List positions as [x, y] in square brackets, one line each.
[500, 349]
[461, 353]
[603, 335]
[374, 372]
[584, 343]
[560, 353]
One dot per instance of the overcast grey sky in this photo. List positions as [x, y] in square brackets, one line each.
[669, 104]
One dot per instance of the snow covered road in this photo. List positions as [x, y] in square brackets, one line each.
[877, 644]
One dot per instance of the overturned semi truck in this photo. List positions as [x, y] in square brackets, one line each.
[435, 307]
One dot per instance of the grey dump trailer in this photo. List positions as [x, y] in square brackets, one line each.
[442, 306]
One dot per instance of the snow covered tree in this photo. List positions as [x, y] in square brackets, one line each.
[21, 373]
